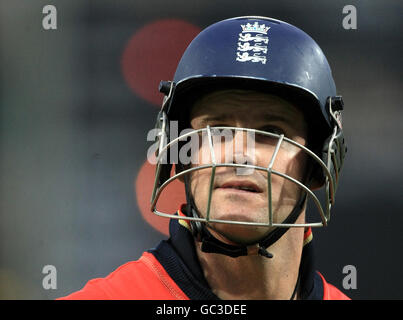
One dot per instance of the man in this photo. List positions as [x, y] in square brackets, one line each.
[259, 98]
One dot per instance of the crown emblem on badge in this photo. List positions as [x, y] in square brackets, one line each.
[256, 27]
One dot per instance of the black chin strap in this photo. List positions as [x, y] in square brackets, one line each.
[210, 244]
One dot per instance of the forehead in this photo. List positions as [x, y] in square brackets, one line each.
[249, 104]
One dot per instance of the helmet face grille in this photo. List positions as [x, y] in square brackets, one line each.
[245, 168]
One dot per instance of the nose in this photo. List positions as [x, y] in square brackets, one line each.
[235, 146]
[244, 151]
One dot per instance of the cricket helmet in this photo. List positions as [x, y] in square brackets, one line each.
[265, 55]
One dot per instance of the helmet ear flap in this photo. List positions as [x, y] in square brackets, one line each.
[317, 179]
[333, 149]
[332, 154]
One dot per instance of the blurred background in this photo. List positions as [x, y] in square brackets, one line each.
[78, 101]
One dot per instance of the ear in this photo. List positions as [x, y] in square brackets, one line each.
[315, 183]
[315, 176]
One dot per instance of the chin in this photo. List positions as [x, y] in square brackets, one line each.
[239, 233]
[234, 234]
[238, 212]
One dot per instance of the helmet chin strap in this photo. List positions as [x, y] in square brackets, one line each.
[211, 244]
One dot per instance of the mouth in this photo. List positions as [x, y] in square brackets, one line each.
[241, 186]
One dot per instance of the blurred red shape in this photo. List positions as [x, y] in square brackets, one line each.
[152, 54]
[169, 202]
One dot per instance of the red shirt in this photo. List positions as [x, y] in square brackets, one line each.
[146, 279]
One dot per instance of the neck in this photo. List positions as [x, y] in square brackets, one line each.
[255, 277]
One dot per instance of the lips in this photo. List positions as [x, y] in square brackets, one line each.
[246, 186]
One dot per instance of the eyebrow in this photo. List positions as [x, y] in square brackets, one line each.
[264, 117]
[276, 118]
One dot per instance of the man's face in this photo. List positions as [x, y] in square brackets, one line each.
[244, 197]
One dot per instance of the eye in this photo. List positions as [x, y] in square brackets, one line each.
[272, 129]
[219, 125]
[260, 138]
